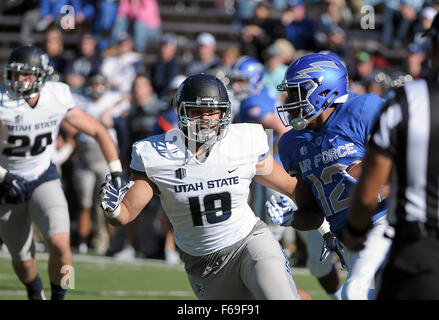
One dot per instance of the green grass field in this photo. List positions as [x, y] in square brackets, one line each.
[100, 278]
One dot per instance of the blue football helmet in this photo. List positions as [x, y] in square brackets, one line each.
[313, 82]
[334, 55]
[249, 70]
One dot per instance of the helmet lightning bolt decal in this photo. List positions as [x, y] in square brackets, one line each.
[316, 67]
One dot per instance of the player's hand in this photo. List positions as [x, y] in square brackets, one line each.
[281, 212]
[332, 244]
[16, 187]
[111, 196]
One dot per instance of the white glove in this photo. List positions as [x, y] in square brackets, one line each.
[111, 196]
[281, 212]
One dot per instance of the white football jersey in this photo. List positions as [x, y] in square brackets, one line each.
[28, 135]
[206, 202]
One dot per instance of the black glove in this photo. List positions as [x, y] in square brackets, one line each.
[16, 188]
[332, 244]
[118, 179]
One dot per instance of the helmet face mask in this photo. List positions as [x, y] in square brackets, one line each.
[204, 130]
[313, 83]
[25, 61]
[203, 92]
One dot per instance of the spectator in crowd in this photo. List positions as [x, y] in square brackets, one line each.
[260, 32]
[145, 18]
[207, 58]
[244, 11]
[167, 67]
[364, 72]
[144, 110]
[299, 28]
[406, 12]
[140, 121]
[274, 68]
[426, 19]
[121, 68]
[332, 26]
[416, 57]
[29, 21]
[54, 46]
[168, 119]
[91, 168]
[106, 11]
[229, 57]
[85, 10]
[87, 61]
[49, 12]
[287, 50]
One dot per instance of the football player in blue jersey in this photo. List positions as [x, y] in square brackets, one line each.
[330, 129]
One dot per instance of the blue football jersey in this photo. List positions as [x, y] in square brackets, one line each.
[320, 157]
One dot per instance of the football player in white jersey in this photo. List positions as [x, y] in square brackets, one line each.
[91, 166]
[31, 111]
[202, 173]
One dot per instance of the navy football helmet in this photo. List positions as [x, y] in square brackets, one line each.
[28, 60]
[250, 71]
[313, 82]
[203, 91]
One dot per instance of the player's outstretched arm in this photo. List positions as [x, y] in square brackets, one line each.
[123, 205]
[272, 175]
[85, 123]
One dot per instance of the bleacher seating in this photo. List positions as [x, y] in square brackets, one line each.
[187, 21]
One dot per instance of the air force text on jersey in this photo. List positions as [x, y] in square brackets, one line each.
[211, 184]
[326, 156]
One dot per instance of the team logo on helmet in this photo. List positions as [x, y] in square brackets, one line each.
[316, 67]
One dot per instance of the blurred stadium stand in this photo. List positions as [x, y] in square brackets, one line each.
[186, 19]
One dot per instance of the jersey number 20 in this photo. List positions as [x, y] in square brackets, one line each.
[213, 203]
[22, 145]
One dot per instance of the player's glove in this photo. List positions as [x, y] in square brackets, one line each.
[281, 212]
[118, 179]
[332, 244]
[111, 196]
[16, 188]
[117, 174]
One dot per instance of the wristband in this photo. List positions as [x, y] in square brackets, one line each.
[112, 214]
[356, 232]
[3, 173]
[115, 166]
[324, 227]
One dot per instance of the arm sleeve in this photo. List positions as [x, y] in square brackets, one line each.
[261, 140]
[136, 159]
[64, 96]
